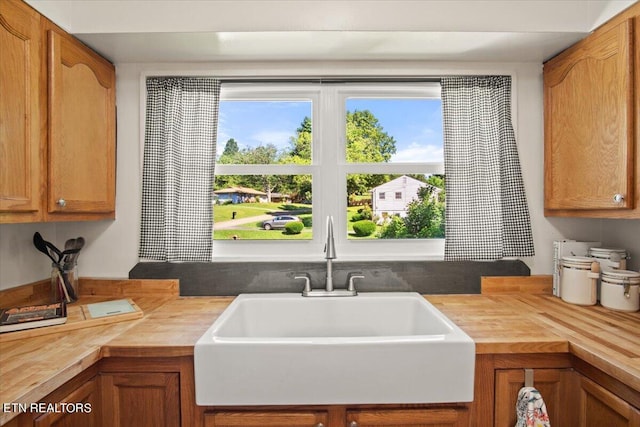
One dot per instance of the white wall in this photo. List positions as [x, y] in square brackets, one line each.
[112, 246]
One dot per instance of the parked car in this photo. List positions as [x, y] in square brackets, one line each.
[278, 222]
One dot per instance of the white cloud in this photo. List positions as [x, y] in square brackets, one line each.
[419, 153]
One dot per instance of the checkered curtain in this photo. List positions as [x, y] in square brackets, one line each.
[177, 177]
[487, 217]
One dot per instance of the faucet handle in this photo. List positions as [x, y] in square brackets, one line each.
[307, 281]
[351, 277]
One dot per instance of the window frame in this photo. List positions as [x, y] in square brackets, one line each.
[329, 170]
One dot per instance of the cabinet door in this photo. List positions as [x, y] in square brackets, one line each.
[20, 97]
[82, 412]
[589, 123]
[81, 130]
[140, 399]
[555, 385]
[599, 407]
[271, 419]
[447, 417]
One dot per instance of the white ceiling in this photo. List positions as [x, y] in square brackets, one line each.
[281, 30]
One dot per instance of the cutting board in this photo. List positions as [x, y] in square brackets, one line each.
[84, 316]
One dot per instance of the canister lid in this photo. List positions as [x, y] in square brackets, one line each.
[577, 259]
[608, 253]
[621, 276]
[577, 262]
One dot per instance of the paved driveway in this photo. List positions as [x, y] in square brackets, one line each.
[235, 223]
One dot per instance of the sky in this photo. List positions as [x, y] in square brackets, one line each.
[415, 124]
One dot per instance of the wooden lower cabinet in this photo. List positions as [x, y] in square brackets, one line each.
[266, 418]
[74, 404]
[555, 386]
[138, 399]
[78, 409]
[160, 391]
[154, 391]
[340, 416]
[599, 407]
[437, 417]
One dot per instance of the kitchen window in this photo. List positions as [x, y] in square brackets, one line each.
[305, 150]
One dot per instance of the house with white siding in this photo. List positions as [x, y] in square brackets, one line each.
[392, 198]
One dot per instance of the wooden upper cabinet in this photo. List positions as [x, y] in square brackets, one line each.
[590, 107]
[81, 145]
[57, 123]
[20, 139]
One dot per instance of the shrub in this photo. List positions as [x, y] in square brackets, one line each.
[307, 220]
[394, 228]
[363, 213]
[293, 227]
[364, 228]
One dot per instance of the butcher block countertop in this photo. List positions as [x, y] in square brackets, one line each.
[499, 323]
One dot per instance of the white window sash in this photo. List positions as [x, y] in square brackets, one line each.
[329, 170]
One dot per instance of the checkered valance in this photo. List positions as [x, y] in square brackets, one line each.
[179, 157]
[486, 213]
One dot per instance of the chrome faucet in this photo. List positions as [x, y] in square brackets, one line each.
[329, 255]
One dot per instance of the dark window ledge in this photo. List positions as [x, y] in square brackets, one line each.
[233, 278]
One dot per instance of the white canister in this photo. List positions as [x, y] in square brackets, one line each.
[610, 257]
[620, 290]
[578, 282]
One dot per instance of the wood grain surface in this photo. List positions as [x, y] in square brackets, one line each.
[78, 317]
[495, 285]
[500, 324]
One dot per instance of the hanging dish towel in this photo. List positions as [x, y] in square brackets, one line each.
[530, 408]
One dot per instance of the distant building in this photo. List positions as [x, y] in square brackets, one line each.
[392, 198]
[247, 195]
[280, 198]
[238, 195]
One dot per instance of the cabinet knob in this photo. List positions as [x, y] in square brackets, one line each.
[62, 203]
[618, 198]
[319, 425]
[353, 424]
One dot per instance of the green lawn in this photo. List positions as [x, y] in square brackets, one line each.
[259, 234]
[351, 211]
[253, 231]
[246, 210]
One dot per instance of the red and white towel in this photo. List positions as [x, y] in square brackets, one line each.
[530, 408]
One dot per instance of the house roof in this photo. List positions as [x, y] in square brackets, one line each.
[394, 181]
[240, 190]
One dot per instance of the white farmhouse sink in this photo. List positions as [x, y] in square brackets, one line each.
[282, 349]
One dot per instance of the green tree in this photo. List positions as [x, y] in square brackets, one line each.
[425, 217]
[438, 181]
[231, 149]
[260, 155]
[299, 186]
[301, 144]
[367, 142]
